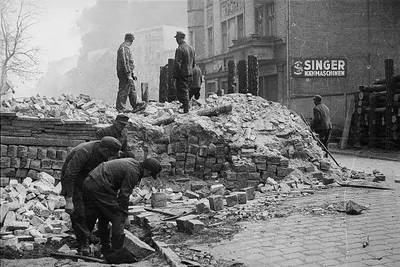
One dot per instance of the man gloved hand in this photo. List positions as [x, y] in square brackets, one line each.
[69, 206]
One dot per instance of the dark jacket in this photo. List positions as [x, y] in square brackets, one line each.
[118, 177]
[184, 61]
[82, 159]
[322, 118]
[113, 131]
[197, 78]
[124, 59]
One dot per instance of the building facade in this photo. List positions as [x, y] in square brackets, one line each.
[341, 43]
[151, 49]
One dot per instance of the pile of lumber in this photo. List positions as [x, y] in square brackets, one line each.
[378, 111]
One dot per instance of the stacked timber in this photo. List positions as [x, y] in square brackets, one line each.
[378, 111]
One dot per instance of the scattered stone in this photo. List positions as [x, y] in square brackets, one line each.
[250, 192]
[216, 202]
[353, 208]
[158, 200]
[137, 247]
[218, 189]
[195, 226]
[64, 249]
[242, 197]
[191, 194]
[231, 200]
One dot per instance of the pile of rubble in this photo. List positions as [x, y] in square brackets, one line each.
[32, 212]
[65, 107]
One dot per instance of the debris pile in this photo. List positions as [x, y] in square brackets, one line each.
[65, 107]
[31, 212]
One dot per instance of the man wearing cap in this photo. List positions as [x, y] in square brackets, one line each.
[108, 188]
[116, 130]
[125, 75]
[195, 85]
[183, 69]
[79, 162]
[321, 123]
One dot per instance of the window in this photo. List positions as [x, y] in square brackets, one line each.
[191, 38]
[264, 19]
[232, 31]
[240, 27]
[210, 34]
[224, 37]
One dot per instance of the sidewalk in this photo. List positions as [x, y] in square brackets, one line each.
[371, 153]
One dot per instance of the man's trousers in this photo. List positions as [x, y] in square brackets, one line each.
[125, 90]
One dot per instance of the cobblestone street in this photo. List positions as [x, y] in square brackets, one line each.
[326, 239]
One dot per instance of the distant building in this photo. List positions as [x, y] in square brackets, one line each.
[151, 49]
[304, 47]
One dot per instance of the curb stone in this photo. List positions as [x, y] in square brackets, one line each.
[170, 256]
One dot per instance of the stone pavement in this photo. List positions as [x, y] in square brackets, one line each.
[323, 239]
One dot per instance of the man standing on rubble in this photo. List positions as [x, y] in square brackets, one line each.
[83, 159]
[117, 130]
[321, 123]
[183, 69]
[195, 85]
[125, 75]
[108, 188]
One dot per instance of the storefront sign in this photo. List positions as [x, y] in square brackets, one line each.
[316, 68]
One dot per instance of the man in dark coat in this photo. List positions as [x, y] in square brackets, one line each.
[117, 130]
[321, 123]
[195, 86]
[183, 69]
[108, 188]
[79, 162]
[125, 75]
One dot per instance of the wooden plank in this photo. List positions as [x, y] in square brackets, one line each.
[347, 124]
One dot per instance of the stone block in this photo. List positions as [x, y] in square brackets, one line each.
[41, 210]
[203, 151]
[61, 155]
[42, 240]
[325, 165]
[261, 166]
[242, 197]
[231, 200]
[195, 226]
[230, 176]
[35, 164]
[221, 159]
[379, 177]
[51, 153]
[41, 153]
[46, 163]
[158, 200]
[328, 180]
[35, 220]
[9, 218]
[25, 162]
[216, 202]
[240, 167]
[271, 168]
[196, 185]
[201, 207]
[17, 225]
[3, 212]
[217, 189]
[309, 168]
[4, 150]
[250, 192]
[8, 172]
[57, 165]
[5, 162]
[15, 162]
[32, 152]
[35, 233]
[21, 173]
[318, 175]
[191, 195]
[11, 242]
[12, 151]
[4, 181]
[13, 206]
[285, 188]
[182, 222]
[193, 139]
[27, 246]
[22, 151]
[281, 171]
[137, 247]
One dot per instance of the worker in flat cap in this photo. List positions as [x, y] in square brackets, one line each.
[183, 69]
[108, 188]
[79, 162]
[321, 123]
[125, 67]
[117, 130]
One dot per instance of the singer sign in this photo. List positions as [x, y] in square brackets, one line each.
[316, 68]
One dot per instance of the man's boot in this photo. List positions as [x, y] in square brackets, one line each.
[84, 248]
[186, 108]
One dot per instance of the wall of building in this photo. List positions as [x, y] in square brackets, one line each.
[363, 31]
[195, 36]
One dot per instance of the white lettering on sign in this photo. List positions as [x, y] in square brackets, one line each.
[319, 68]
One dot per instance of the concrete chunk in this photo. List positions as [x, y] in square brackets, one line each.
[216, 202]
[137, 247]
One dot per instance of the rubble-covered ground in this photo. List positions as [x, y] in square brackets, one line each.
[249, 127]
